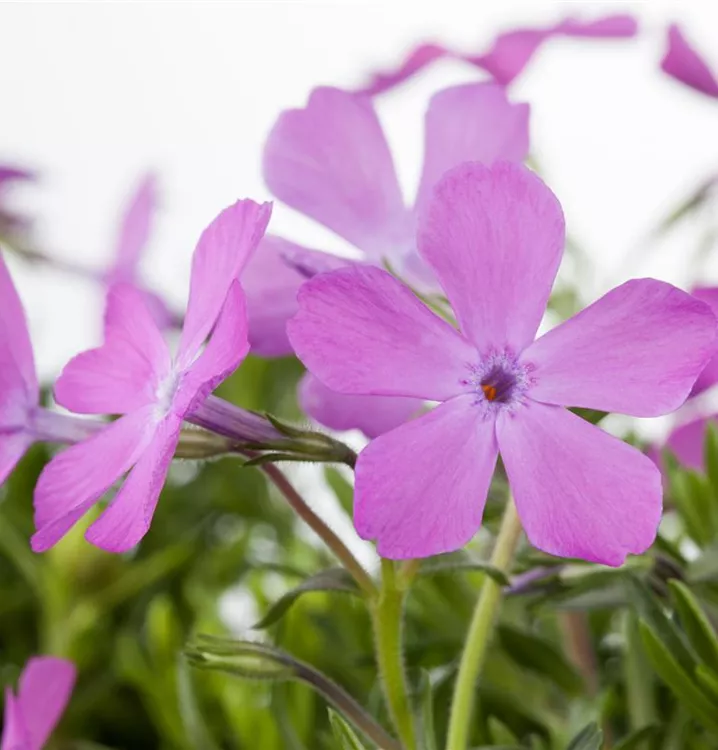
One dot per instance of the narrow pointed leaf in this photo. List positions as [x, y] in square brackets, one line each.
[698, 628]
[464, 566]
[333, 579]
[681, 682]
[251, 660]
[708, 680]
[343, 733]
[589, 738]
[638, 739]
[666, 631]
[541, 656]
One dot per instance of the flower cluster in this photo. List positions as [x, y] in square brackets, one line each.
[427, 340]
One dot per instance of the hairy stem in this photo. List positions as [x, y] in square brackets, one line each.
[335, 544]
[480, 631]
[387, 615]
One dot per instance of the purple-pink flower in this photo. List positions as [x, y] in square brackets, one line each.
[509, 54]
[134, 375]
[22, 420]
[331, 161]
[43, 693]
[132, 239]
[686, 440]
[682, 62]
[494, 238]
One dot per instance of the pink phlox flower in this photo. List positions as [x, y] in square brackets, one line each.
[134, 233]
[686, 438]
[330, 160]
[509, 54]
[43, 693]
[23, 420]
[19, 390]
[494, 238]
[683, 62]
[134, 375]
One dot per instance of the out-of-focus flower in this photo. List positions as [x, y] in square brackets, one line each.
[43, 693]
[133, 236]
[12, 225]
[509, 54]
[494, 238]
[686, 440]
[134, 375]
[22, 420]
[331, 161]
[682, 62]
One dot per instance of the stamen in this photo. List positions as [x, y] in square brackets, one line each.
[489, 392]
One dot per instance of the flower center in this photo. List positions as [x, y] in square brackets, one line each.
[499, 381]
[165, 394]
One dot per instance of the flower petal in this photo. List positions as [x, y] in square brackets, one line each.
[135, 230]
[222, 252]
[45, 688]
[509, 54]
[579, 491]
[512, 51]
[687, 442]
[16, 359]
[78, 477]
[227, 347]
[124, 373]
[271, 285]
[361, 331]
[331, 161]
[494, 238]
[14, 732]
[421, 488]
[373, 415]
[474, 122]
[419, 58]
[128, 517]
[12, 448]
[638, 350]
[682, 62]
[709, 376]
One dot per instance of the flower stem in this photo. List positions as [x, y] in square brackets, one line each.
[387, 615]
[335, 544]
[480, 630]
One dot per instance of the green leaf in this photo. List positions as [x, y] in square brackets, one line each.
[589, 738]
[680, 681]
[541, 656]
[594, 416]
[341, 487]
[636, 740]
[251, 660]
[332, 579]
[192, 719]
[425, 712]
[343, 733]
[692, 496]
[653, 614]
[464, 566]
[710, 456]
[708, 680]
[698, 628]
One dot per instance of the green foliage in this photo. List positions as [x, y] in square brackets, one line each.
[230, 628]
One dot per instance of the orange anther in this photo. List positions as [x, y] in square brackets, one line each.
[489, 392]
